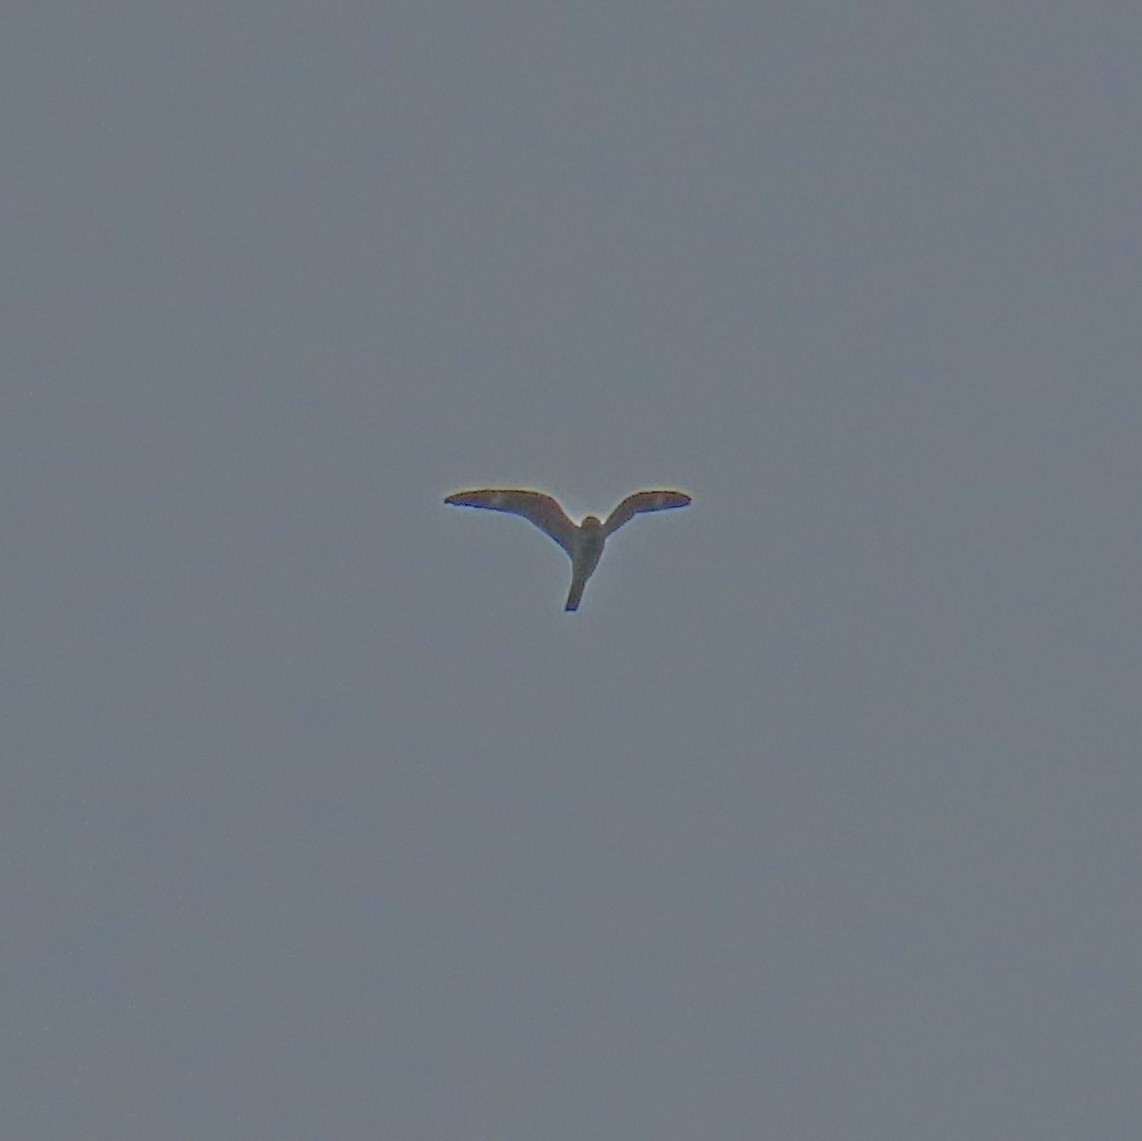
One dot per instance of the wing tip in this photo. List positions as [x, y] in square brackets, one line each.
[466, 498]
[669, 497]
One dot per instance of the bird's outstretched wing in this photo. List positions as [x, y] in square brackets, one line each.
[643, 501]
[534, 506]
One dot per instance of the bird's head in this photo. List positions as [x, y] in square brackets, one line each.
[591, 523]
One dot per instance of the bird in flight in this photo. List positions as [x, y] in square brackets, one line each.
[583, 542]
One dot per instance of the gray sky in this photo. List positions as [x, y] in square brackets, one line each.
[819, 820]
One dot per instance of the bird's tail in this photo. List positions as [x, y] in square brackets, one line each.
[575, 593]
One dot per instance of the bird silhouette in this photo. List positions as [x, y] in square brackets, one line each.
[584, 541]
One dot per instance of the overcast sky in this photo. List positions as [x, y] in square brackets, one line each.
[320, 818]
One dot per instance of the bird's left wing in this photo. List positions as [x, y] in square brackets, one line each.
[643, 501]
[534, 506]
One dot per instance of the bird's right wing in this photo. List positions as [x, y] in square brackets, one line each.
[534, 506]
[643, 501]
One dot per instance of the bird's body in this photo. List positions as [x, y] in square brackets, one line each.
[583, 542]
[590, 539]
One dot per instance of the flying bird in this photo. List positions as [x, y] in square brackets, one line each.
[583, 542]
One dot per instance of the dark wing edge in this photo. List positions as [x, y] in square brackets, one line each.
[541, 510]
[643, 501]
